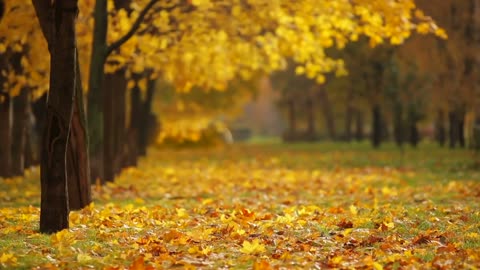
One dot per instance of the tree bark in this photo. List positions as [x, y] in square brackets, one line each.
[453, 129]
[19, 129]
[119, 105]
[376, 135]
[310, 120]
[78, 170]
[62, 45]
[108, 130]
[145, 125]
[328, 113]
[461, 127]
[398, 125]
[5, 135]
[349, 117]
[413, 118]
[440, 130]
[136, 119]
[95, 93]
[359, 125]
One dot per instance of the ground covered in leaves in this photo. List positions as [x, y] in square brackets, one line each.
[262, 207]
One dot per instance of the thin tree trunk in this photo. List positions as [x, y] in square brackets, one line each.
[328, 113]
[310, 120]
[376, 135]
[359, 125]
[461, 127]
[119, 121]
[5, 135]
[145, 126]
[19, 129]
[29, 154]
[62, 44]
[136, 119]
[440, 130]
[95, 93]
[414, 135]
[398, 125]
[108, 129]
[453, 129]
[292, 122]
[349, 117]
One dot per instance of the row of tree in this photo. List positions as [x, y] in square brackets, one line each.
[120, 45]
[426, 82]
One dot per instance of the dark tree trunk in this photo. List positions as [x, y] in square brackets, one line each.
[461, 127]
[414, 135]
[328, 113]
[453, 129]
[20, 124]
[349, 118]
[79, 183]
[108, 129]
[30, 159]
[291, 133]
[359, 125]
[376, 135]
[310, 120]
[5, 135]
[398, 126]
[440, 130]
[95, 93]
[145, 127]
[114, 124]
[136, 117]
[119, 125]
[62, 44]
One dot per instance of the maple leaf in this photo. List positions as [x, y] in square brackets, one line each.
[139, 264]
[8, 259]
[254, 247]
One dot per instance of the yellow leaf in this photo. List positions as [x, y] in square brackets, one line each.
[82, 258]
[253, 247]
[8, 258]
[377, 266]
[353, 210]
[181, 212]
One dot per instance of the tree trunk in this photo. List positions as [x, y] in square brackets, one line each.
[62, 44]
[359, 125]
[348, 119]
[136, 119]
[30, 159]
[413, 118]
[440, 130]
[119, 121]
[292, 122]
[19, 129]
[328, 113]
[79, 183]
[398, 126]
[5, 135]
[453, 129]
[108, 129]
[376, 135]
[95, 93]
[310, 120]
[145, 126]
[461, 127]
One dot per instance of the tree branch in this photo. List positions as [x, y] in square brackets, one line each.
[115, 45]
[43, 11]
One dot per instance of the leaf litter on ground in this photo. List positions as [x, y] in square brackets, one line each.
[256, 207]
